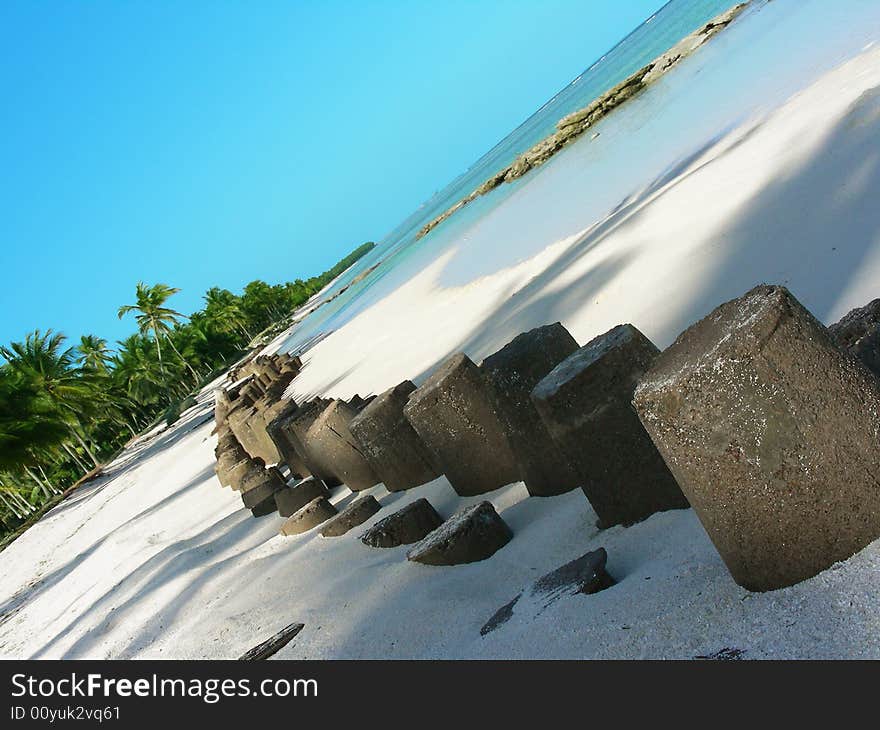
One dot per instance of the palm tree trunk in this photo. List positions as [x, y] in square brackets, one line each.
[11, 506]
[85, 447]
[75, 458]
[52, 487]
[42, 486]
[182, 358]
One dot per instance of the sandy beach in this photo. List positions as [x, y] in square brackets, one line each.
[155, 559]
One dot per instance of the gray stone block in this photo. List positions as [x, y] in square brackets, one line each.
[772, 432]
[390, 444]
[586, 404]
[331, 442]
[512, 373]
[453, 414]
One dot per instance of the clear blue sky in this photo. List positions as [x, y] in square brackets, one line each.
[205, 143]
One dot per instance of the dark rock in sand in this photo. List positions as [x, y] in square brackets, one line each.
[586, 404]
[390, 444]
[771, 431]
[408, 525]
[355, 514]
[454, 416]
[313, 514]
[473, 534]
[512, 373]
[585, 574]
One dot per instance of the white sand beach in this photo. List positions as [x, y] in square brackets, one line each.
[155, 559]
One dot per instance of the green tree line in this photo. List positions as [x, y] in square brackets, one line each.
[65, 408]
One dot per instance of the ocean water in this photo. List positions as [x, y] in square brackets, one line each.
[775, 48]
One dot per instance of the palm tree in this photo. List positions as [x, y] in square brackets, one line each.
[153, 317]
[93, 353]
[42, 364]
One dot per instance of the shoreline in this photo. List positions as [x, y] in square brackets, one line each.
[573, 126]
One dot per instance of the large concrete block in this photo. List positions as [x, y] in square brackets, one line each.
[244, 472]
[296, 429]
[317, 511]
[453, 415]
[408, 525]
[353, 515]
[390, 444]
[512, 373]
[293, 498]
[586, 404]
[858, 332]
[331, 441]
[772, 432]
[475, 533]
[277, 431]
[261, 487]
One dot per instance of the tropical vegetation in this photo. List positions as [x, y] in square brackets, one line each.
[66, 408]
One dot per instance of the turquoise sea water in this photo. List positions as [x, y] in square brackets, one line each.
[771, 51]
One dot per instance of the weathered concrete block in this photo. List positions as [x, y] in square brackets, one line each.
[358, 512]
[317, 511]
[475, 533]
[586, 404]
[408, 525]
[264, 507]
[261, 487]
[293, 498]
[246, 471]
[771, 431]
[331, 441]
[228, 465]
[390, 444]
[858, 332]
[455, 419]
[585, 574]
[512, 373]
[277, 431]
[296, 429]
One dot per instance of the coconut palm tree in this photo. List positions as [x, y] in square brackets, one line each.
[154, 317]
[93, 353]
[42, 363]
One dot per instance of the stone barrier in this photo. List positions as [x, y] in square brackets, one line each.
[586, 404]
[512, 373]
[772, 433]
[329, 439]
[390, 444]
[454, 417]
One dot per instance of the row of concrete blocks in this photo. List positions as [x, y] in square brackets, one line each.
[756, 413]
[473, 534]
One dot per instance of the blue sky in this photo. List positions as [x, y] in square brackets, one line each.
[207, 143]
